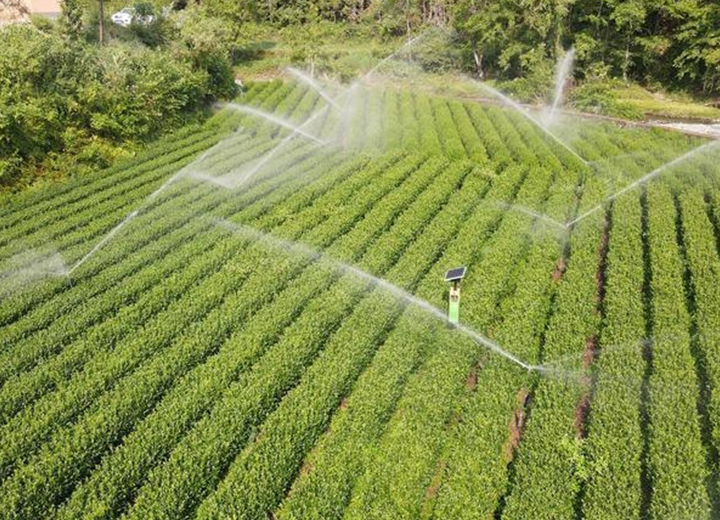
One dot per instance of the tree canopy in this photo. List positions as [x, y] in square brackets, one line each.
[666, 41]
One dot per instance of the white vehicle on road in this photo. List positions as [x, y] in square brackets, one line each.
[123, 17]
[126, 16]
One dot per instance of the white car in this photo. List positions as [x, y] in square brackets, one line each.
[126, 16]
[123, 17]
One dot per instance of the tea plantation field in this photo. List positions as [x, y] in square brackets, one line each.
[217, 327]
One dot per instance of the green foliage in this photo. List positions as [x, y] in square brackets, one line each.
[644, 40]
[532, 87]
[71, 19]
[152, 34]
[42, 23]
[307, 52]
[600, 98]
[510, 39]
[210, 374]
[83, 101]
[638, 40]
[436, 52]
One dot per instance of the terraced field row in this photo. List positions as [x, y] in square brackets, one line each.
[216, 349]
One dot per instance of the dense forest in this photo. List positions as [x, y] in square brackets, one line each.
[671, 42]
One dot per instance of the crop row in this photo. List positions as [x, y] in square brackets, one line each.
[99, 371]
[634, 466]
[393, 123]
[186, 196]
[22, 304]
[474, 144]
[476, 476]
[109, 332]
[392, 118]
[355, 118]
[621, 457]
[228, 155]
[510, 137]
[22, 389]
[615, 440]
[549, 153]
[410, 133]
[109, 488]
[412, 453]
[447, 129]
[676, 451]
[551, 456]
[344, 453]
[256, 480]
[227, 420]
[246, 298]
[497, 149]
[544, 463]
[704, 271]
[429, 139]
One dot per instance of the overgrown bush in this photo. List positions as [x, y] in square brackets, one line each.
[436, 52]
[598, 97]
[532, 76]
[60, 96]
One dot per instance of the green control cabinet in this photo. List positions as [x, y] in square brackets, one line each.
[454, 276]
[454, 308]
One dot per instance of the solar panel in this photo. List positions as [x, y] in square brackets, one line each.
[455, 274]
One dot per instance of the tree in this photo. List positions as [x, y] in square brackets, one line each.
[484, 26]
[629, 16]
[699, 40]
[71, 19]
[101, 25]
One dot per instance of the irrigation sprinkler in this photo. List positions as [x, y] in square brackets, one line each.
[454, 276]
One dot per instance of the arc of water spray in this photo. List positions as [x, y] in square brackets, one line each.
[280, 145]
[288, 246]
[525, 114]
[642, 180]
[104, 241]
[25, 265]
[347, 111]
[407, 44]
[229, 182]
[312, 84]
[274, 119]
[185, 170]
[130, 216]
[530, 213]
[560, 78]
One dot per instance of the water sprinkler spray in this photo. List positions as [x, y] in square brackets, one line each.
[454, 276]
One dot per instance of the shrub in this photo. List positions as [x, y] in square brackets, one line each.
[598, 97]
[59, 95]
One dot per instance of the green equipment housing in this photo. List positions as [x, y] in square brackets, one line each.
[454, 276]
